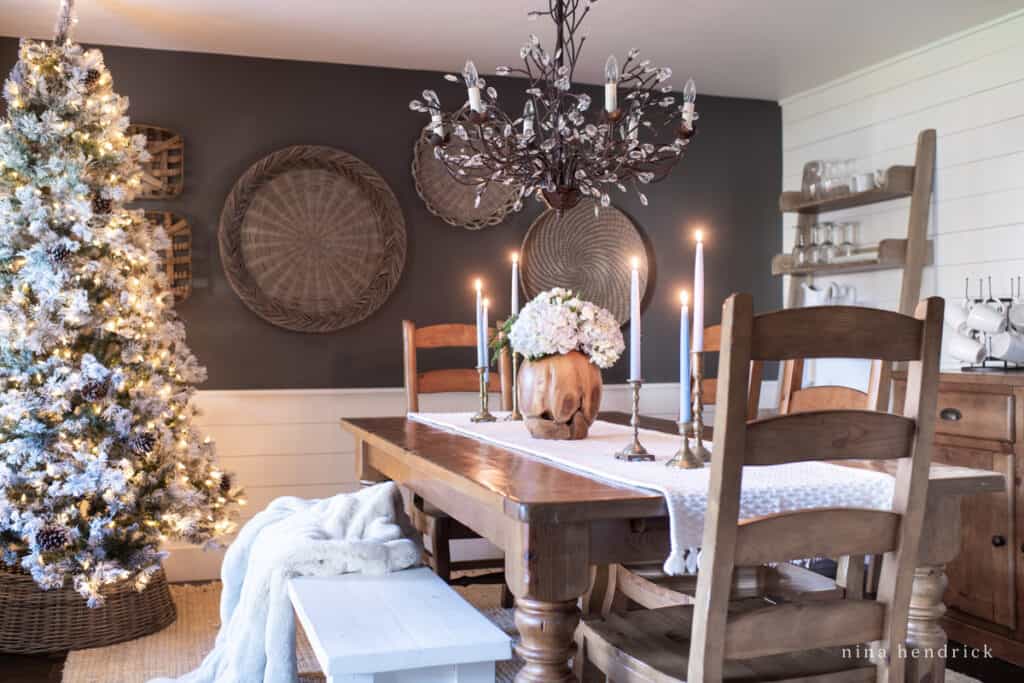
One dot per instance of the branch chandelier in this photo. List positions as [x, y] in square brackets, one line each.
[556, 150]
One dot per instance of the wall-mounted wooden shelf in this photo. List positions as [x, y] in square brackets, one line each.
[890, 254]
[899, 183]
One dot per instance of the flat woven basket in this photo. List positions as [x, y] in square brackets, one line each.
[452, 201]
[312, 239]
[586, 253]
[34, 621]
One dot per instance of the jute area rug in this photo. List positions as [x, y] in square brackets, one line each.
[180, 647]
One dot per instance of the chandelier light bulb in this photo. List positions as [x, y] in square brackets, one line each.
[528, 115]
[472, 77]
[611, 85]
[611, 70]
[689, 98]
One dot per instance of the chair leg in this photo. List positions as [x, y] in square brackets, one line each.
[508, 601]
[440, 548]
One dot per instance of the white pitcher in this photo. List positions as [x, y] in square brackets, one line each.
[814, 296]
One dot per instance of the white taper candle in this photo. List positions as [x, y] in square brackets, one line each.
[515, 284]
[479, 322]
[634, 322]
[698, 295]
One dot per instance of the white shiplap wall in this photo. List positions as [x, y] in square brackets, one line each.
[288, 443]
[970, 88]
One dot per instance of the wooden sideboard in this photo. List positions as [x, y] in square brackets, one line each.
[981, 425]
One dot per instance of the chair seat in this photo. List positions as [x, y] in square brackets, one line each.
[648, 585]
[654, 645]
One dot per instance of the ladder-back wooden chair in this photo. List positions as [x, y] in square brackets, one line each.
[429, 520]
[645, 584]
[719, 639]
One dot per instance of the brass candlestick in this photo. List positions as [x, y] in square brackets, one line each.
[685, 458]
[697, 363]
[635, 451]
[485, 414]
[515, 415]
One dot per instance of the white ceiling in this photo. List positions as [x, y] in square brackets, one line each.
[745, 48]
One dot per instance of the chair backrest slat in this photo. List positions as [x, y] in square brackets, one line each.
[709, 387]
[852, 332]
[827, 398]
[448, 335]
[793, 627]
[835, 532]
[829, 435]
[794, 334]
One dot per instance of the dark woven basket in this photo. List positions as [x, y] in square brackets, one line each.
[34, 621]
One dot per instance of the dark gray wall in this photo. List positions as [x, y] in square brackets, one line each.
[232, 111]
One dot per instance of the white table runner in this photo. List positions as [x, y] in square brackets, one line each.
[766, 490]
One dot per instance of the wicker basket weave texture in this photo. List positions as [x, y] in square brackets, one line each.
[586, 253]
[34, 621]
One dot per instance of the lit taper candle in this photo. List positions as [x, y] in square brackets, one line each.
[515, 283]
[698, 295]
[684, 358]
[478, 285]
[634, 322]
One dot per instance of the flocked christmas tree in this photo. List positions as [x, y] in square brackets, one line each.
[99, 461]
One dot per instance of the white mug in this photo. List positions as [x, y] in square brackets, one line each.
[987, 318]
[956, 316]
[966, 349]
[1017, 316]
[1008, 346]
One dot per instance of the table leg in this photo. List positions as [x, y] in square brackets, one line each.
[940, 544]
[548, 569]
[925, 636]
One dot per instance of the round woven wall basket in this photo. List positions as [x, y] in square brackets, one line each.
[34, 621]
[312, 239]
[586, 253]
[452, 201]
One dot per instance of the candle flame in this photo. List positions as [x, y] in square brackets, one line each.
[515, 257]
[478, 284]
[684, 298]
[486, 303]
[700, 235]
[636, 262]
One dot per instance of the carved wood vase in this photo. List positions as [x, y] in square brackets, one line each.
[559, 396]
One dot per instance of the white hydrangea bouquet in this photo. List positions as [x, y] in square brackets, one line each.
[558, 321]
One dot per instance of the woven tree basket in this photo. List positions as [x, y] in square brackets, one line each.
[177, 260]
[34, 621]
[163, 176]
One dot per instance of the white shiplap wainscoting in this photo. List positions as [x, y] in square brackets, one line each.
[288, 443]
[970, 88]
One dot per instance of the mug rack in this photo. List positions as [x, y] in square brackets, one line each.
[992, 364]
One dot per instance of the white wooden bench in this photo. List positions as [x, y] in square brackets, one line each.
[406, 627]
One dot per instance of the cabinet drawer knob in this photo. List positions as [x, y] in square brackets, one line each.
[999, 541]
[951, 414]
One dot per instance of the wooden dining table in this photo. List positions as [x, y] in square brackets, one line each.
[557, 526]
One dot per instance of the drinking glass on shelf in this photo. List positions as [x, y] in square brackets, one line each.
[800, 249]
[814, 250]
[827, 251]
[847, 247]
